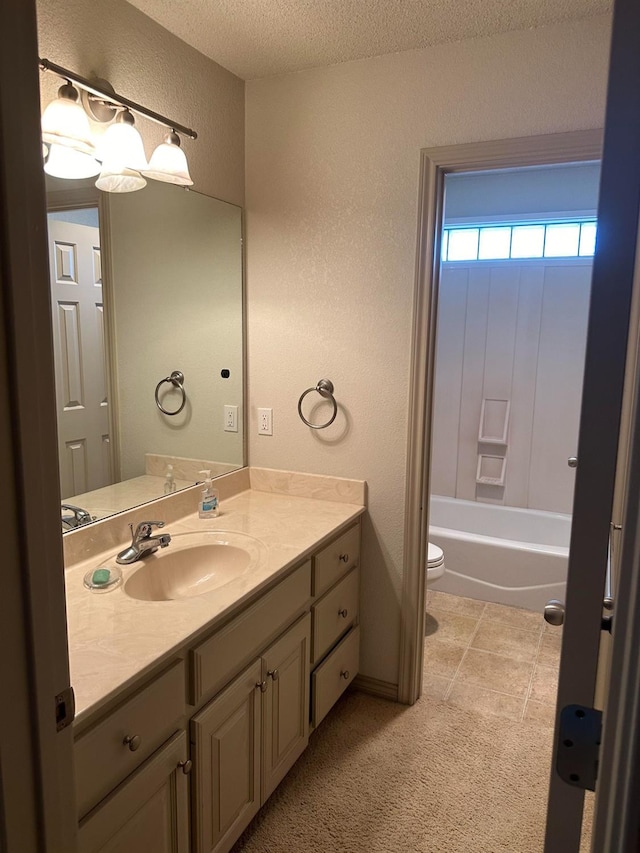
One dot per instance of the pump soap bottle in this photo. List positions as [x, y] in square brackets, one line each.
[209, 498]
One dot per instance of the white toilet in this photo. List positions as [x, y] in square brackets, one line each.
[435, 563]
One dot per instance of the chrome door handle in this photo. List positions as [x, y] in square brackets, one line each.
[572, 462]
[554, 612]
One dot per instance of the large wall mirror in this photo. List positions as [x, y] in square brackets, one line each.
[144, 286]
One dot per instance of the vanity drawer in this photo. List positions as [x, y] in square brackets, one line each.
[216, 660]
[333, 676]
[336, 559]
[103, 758]
[333, 614]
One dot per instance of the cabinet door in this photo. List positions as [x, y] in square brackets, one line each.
[285, 703]
[225, 739]
[149, 811]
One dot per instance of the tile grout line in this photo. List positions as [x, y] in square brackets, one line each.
[464, 654]
[533, 672]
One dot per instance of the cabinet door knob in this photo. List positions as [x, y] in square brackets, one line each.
[344, 558]
[344, 674]
[186, 766]
[133, 742]
[262, 686]
[344, 612]
[274, 673]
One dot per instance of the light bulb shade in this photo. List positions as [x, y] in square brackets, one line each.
[168, 163]
[122, 144]
[64, 162]
[65, 123]
[118, 179]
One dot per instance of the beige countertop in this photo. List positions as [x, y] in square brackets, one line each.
[114, 639]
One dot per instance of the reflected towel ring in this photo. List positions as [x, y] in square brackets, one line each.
[325, 389]
[177, 380]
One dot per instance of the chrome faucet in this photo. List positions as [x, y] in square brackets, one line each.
[142, 542]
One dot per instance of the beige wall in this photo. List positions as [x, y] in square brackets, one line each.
[332, 190]
[144, 62]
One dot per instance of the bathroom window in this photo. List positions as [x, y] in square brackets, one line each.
[518, 241]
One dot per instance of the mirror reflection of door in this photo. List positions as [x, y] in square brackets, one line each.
[84, 449]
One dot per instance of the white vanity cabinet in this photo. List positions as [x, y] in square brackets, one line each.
[150, 811]
[335, 613]
[247, 738]
[226, 717]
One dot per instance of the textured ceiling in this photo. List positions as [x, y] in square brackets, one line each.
[260, 38]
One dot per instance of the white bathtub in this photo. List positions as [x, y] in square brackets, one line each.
[503, 554]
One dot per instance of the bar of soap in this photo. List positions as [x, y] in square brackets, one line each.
[101, 576]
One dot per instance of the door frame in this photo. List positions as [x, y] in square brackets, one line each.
[435, 164]
[37, 791]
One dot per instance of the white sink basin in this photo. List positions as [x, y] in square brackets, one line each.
[194, 564]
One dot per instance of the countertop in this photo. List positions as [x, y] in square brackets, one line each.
[115, 639]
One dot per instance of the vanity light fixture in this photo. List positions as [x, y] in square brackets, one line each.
[122, 144]
[122, 154]
[65, 162]
[65, 125]
[168, 163]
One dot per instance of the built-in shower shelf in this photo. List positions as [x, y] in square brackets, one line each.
[491, 470]
[494, 421]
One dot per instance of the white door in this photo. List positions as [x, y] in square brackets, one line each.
[79, 354]
[576, 764]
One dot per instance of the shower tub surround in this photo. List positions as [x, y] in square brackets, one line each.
[503, 554]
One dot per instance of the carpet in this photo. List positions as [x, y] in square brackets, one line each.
[378, 777]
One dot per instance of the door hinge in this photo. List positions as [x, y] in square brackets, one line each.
[65, 708]
[578, 750]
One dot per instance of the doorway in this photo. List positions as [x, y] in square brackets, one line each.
[513, 303]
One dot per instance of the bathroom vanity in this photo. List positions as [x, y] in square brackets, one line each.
[192, 710]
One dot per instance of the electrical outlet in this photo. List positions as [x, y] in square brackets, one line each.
[231, 419]
[265, 421]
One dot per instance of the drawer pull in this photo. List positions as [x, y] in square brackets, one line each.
[186, 766]
[344, 674]
[274, 674]
[262, 686]
[344, 558]
[344, 612]
[133, 742]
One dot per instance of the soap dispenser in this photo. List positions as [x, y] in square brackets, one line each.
[169, 482]
[209, 499]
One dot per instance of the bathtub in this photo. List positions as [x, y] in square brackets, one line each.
[498, 553]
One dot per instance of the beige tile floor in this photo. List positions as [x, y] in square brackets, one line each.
[491, 658]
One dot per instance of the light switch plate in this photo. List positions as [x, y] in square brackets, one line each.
[231, 419]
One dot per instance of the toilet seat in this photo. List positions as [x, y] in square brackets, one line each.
[435, 556]
[435, 563]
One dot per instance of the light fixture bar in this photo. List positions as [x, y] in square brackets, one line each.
[114, 98]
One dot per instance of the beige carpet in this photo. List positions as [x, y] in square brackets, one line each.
[381, 777]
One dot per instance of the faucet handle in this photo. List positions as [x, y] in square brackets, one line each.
[144, 529]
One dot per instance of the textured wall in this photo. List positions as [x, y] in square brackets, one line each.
[332, 191]
[144, 62]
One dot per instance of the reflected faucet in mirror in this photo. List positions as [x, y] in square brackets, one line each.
[77, 518]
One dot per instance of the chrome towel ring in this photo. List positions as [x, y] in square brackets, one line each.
[325, 389]
[177, 380]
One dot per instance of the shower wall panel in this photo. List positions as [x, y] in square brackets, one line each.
[514, 331]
